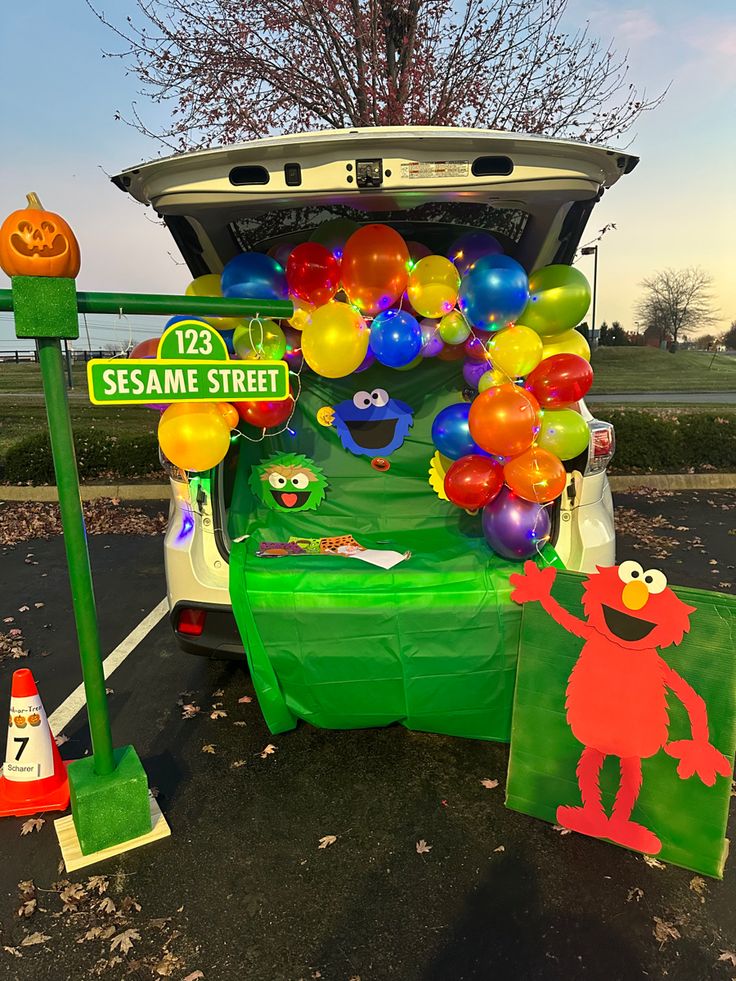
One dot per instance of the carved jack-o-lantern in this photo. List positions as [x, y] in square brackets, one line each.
[34, 242]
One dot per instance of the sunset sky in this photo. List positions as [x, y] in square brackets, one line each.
[58, 98]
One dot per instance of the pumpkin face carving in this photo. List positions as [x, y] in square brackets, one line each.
[34, 242]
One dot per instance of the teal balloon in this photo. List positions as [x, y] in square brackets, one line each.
[563, 432]
[559, 297]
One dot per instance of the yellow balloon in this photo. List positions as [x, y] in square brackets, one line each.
[515, 350]
[570, 342]
[302, 314]
[335, 341]
[433, 286]
[196, 435]
[209, 285]
[491, 379]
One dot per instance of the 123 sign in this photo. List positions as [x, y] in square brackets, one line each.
[192, 364]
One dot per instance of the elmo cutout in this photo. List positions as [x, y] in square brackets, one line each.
[616, 702]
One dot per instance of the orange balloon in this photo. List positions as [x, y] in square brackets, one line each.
[375, 268]
[229, 413]
[452, 352]
[536, 475]
[504, 420]
[145, 349]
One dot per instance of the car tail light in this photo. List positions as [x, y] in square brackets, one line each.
[190, 621]
[602, 446]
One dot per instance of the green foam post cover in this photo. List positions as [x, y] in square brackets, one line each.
[431, 643]
[688, 817]
[45, 306]
[109, 810]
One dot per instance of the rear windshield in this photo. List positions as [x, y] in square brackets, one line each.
[434, 224]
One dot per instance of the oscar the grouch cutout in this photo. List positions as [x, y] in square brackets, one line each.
[288, 482]
[617, 693]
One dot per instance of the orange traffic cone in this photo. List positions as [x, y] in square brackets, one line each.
[34, 776]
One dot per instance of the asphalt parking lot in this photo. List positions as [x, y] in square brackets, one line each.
[242, 889]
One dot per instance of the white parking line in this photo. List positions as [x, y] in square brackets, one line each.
[75, 702]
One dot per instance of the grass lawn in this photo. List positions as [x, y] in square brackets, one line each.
[22, 415]
[645, 369]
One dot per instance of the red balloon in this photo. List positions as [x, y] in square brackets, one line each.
[265, 415]
[312, 273]
[375, 268]
[473, 481]
[475, 346]
[452, 352]
[560, 380]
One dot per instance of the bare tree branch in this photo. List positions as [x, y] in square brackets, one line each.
[676, 302]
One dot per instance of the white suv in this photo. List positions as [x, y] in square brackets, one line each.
[431, 184]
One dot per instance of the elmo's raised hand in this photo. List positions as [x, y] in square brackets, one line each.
[698, 757]
[533, 584]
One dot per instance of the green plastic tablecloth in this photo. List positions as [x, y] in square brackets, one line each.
[432, 643]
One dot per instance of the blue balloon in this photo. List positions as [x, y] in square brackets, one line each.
[255, 276]
[227, 336]
[396, 338]
[450, 432]
[178, 319]
[494, 292]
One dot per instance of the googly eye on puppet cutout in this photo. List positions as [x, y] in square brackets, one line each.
[288, 482]
[628, 571]
[372, 423]
[655, 581]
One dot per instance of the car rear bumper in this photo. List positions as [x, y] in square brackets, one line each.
[220, 637]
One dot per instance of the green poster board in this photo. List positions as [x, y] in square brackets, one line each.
[689, 817]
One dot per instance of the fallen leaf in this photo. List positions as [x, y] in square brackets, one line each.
[61, 739]
[218, 714]
[237, 763]
[23, 609]
[208, 748]
[28, 908]
[219, 693]
[194, 976]
[560, 829]
[92, 934]
[39, 606]
[653, 863]
[422, 847]
[189, 711]
[636, 894]
[32, 939]
[32, 824]
[124, 941]
[129, 904]
[489, 784]
[501, 848]
[240, 723]
[9, 620]
[154, 792]
[106, 905]
[27, 889]
[72, 896]
[725, 955]
[109, 691]
[168, 964]
[14, 951]
[268, 751]
[698, 886]
[245, 700]
[327, 840]
[664, 931]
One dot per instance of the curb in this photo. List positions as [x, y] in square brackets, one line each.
[162, 492]
[675, 481]
[91, 492]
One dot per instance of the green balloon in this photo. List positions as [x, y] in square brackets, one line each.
[412, 364]
[259, 340]
[563, 432]
[559, 297]
[333, 234]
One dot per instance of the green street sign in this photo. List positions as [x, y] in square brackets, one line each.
[192, 365]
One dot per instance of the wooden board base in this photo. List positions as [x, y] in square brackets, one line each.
[71, 852]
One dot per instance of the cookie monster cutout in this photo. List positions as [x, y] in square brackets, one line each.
[288, 482]
[372, 424]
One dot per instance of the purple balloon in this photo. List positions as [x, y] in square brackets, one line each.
[473, 370]
[367, 361]
[471, 246]
[432, 343]
[281, 252]
[515, 528]
[417, 251]
[293, 355]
